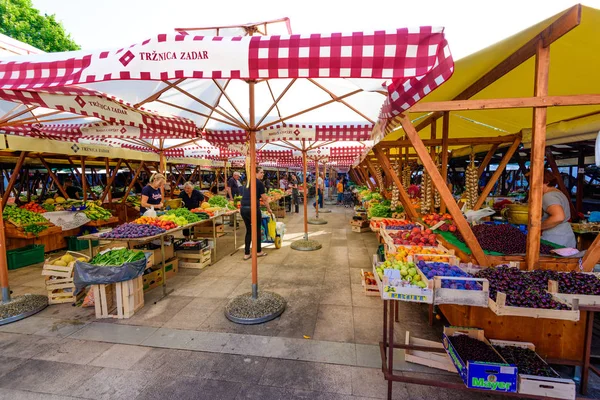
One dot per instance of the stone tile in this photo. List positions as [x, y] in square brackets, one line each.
[158, 313]
[47, 376]
[335, 324]
[173, 362]
[68, 312]
[24, 346]
[257, 392]
[111, 384]
[235, 368]
[369, 382]
[359, 299]
[12, 394]
[308, 376]
[120, 356]
[183, 388]
[28, 325]
[73, 351]
[114, 333]
[368, 325]
[251, 345]
[7, 364]
[336, 295]
[217, 322]
[218, 288]
[190, 340]
[61, 327]
[193, 314]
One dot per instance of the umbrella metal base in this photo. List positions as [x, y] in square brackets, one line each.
[316, 221]
[21, 307]
[330, 202]
[245, 310]
[324, 210]
[306, 245]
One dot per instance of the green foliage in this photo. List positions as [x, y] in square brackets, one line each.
[20, 21]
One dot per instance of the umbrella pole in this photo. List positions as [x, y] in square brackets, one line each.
[318, 188]
[305, 195]
[253, 201]
[3, 262]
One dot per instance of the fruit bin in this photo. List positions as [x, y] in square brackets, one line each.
[480, 375]
[25, 256]
[558, 388]
[499, 307]
[402, 293]
[59, 279]
[583, 299]
[369, 289]
[76, 245]
[466, 297]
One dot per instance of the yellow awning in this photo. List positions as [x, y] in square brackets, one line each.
[574, 61]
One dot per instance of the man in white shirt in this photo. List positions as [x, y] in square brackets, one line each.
[320, 188]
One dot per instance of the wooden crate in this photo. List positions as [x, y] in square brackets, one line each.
[477, 298]
[432, 360]
[358, 229]
[556, 388]
[119, 300]
[59, 281]
[279, 213]
[194, 259]
[369, 290]
[499, 307]
[583, 299]
[204, 229]
[103, 222]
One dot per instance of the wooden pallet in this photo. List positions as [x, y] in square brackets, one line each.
[499, 307]
[119, 300]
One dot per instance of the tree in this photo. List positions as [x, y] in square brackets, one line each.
[20, 21]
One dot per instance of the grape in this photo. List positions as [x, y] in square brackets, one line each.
[578, 283]
[504, 238]
[470, 349]
[526, 360]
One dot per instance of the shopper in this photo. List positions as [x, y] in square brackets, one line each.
[340, 192]
[556, 214]
[191, 197]
[72, 191]
[234, 186]
[319, 188]
[283, 183]
[295, 194]
[152, 193]
[246, 212]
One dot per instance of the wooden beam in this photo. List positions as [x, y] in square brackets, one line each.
[109, 183]
[515, 102]
[84, 182]
[561, 183]
[486, 160]
[370, 184]
[538, 146]
[382, 189]
[444, 161]
[60, 187]
[132, 183]
[569, 20]
[580, 179]
[467, 141]
[490, 184]
[592, 255]
[404, 198]
[446, 195]
[13, 177]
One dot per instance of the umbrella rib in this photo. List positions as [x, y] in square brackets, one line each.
[205, 104]
[36, 118]
[27, 109]
[311, 108]
[276, 101]
[182, 144]
[323, 88]
[230, 101]
[216, 105]
[156, 96]
[236, 124]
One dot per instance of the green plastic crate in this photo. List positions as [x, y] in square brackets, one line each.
[76, 245]
[24, 256]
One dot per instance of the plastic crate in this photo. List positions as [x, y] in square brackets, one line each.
[73, 244]
[24, 256]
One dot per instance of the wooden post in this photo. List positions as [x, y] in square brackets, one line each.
[486, 160]
[304, 172]
[580, 179]
[162, 165]
[254, 206]
[446, 195]
[3, 262]
[538, 144]
[433, 137]
[365, 172]
[109, 183]
[404, 198]
[445, 131]
[54, 177]
[374, 173]
[13, 177]
[561, 183]
[133, 180]
[84, 182]
[490, 184]
[107, 187]
[354, 176]
[592, 255]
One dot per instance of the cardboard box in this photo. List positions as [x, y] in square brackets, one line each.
[155, 278]
[358, 229]
[203, 229]
[480, 375]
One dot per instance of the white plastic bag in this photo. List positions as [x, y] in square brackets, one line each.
[474, 216]
[280, 228]
[150, 213]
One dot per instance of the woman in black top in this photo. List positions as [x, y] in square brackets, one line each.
[191, 197]
[152, 193]
[295, 194]
[246, 212]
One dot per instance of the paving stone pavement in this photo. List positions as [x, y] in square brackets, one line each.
[324, 346]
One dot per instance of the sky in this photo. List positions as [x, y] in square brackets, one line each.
[470, 24]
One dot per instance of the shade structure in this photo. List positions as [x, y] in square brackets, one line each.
[191, 76]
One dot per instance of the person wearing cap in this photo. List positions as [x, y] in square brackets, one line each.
[556, 213]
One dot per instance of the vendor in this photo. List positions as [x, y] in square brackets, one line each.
[556, 214]
[152, 193]
[72, 191]
[234, 186]
[246, 212]
[191, 197]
